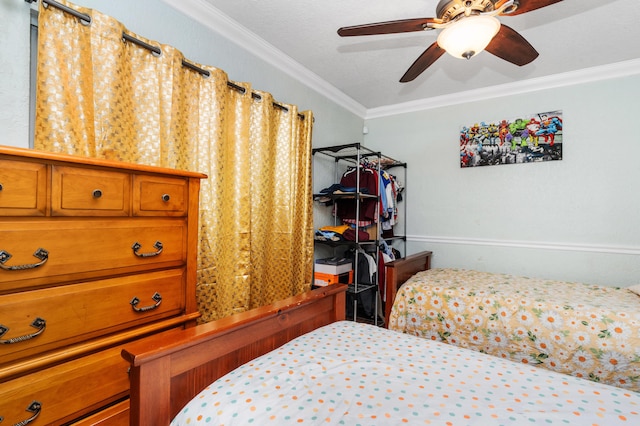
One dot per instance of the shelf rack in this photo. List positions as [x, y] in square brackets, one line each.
[351, 155]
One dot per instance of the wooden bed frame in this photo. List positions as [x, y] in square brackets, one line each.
[399, 271]
[168, 371]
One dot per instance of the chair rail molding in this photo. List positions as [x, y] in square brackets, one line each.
[537, 245]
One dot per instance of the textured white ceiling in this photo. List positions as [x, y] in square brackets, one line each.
[570, 35]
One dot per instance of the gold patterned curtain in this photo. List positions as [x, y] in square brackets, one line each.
[100, 96]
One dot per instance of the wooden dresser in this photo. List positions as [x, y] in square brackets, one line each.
[93, 254]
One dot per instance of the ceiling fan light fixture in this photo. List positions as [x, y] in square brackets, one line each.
[468, 36]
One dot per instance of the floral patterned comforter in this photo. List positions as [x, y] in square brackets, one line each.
[587, 331]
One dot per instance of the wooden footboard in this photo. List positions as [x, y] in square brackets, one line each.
[168, 372]
[399, 271]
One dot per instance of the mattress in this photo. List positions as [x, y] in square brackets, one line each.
[588, 331]
[349, 373]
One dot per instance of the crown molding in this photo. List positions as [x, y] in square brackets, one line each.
[587, 75]
[203, 12]
[212, 18]
[589, 248]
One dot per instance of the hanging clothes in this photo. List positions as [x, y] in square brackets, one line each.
[392, 190]
[382, 211]
[346, 208]
[366, 275]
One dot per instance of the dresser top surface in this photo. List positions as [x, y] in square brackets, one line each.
[8, 152]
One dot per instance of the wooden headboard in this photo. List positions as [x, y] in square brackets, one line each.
[399, 271]
[168, 371]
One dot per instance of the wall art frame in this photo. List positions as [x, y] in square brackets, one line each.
[529, 138]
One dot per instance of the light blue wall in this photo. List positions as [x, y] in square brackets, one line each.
[14, 73]
[575, 219]
[155, 20]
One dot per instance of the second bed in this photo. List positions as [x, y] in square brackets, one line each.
[587, 331]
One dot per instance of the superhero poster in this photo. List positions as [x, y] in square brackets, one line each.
[526, 139]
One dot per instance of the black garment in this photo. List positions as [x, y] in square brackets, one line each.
[366, 300]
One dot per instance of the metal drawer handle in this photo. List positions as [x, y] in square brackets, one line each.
[41, 254]
[38, 323]
[136, 246]
[156, 298]
[35, 407]
[97, 193]
[165, 197]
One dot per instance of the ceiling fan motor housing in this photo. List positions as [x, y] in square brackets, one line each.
[450, 10]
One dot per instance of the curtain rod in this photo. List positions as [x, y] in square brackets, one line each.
[157, 51]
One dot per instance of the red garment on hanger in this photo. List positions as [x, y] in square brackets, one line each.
[346, 209]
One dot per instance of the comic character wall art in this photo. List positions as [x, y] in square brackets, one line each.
[526, 139]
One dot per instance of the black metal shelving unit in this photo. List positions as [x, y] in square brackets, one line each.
[344, 157]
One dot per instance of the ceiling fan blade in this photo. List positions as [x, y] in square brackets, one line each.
[389, 27]
[529, 5]
[423, 62]
[512, 47]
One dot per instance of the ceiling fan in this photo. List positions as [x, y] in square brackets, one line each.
[467, 27]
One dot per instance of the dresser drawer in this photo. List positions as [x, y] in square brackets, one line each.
[77, 191]
[159, 196]
[60, 316]
[66, 391]
[86, 249]
[116, 415]
[23, 188]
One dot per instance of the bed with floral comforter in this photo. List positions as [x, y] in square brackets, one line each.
[587, 331]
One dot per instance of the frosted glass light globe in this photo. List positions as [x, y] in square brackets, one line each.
[468, 36]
